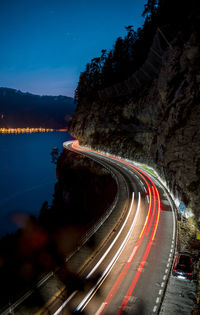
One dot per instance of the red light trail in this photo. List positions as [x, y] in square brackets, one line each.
[153, 194]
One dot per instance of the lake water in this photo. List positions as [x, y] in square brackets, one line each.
[27, 174]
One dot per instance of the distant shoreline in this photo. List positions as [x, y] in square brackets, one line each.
[29, 130]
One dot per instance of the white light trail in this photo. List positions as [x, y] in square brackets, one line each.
[93, 290]
[113, 242]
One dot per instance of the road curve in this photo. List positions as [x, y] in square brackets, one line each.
[128, 275]
[128, 269]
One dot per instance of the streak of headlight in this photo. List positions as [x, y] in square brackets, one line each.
[93, 290]
[125, 269]
[142, 263]
[131, 288]
[113, 242]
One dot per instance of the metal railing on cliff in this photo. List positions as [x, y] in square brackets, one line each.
[148, 71]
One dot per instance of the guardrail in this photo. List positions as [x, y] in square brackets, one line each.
[92, 230]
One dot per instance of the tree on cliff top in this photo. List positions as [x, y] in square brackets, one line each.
[129, 53]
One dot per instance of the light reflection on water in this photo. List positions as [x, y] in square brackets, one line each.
[27, 174]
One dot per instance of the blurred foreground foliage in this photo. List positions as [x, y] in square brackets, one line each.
[84, 191]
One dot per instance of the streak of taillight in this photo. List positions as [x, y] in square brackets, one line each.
[158, 214]
[148, 215]
[135, 280]
[124, 271]
[158, 198]
[142, 263]
[93, 290]
[139, 172]
[154, 206]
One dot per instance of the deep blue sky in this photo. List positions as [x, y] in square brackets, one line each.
[45, 44]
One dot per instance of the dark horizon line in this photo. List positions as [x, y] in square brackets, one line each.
[5, 87]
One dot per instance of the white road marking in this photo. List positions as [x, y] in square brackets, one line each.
[133, 253]
[134, 250]
[155, 308]
[101, 308]
[174, 221]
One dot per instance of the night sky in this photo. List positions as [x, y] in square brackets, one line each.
[45, 44]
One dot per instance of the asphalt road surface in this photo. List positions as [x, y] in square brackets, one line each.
[129, 274]
[128, 270]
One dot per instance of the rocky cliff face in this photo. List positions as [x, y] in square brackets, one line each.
[158, 124]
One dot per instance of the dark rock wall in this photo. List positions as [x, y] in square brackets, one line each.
[159, 124]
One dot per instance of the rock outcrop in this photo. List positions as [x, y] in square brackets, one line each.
[159, 124]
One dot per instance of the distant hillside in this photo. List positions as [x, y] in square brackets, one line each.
[18, 109]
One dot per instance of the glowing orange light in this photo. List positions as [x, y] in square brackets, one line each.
[24, 130]
[148, 221]
[126, 267]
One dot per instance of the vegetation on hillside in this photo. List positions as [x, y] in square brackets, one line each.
[18, 109]
[129, 53]
[84, 191]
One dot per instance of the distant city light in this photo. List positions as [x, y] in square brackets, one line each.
[28, 130]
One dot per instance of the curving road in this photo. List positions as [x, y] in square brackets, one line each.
[128, 272]
[128, 269]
